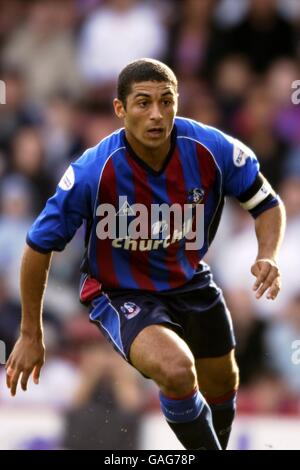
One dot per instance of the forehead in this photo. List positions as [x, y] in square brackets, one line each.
[151, 88]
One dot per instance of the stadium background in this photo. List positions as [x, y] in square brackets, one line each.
[236, 61]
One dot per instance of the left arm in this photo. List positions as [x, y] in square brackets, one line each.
[269, 228]
[243, 180]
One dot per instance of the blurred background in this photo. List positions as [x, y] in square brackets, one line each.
[236, 61]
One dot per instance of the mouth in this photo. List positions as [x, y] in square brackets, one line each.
[155, 132]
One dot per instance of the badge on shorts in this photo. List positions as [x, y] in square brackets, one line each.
[130, 309]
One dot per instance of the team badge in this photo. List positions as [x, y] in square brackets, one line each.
[195, 196]
[130, 309]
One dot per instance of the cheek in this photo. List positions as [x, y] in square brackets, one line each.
[135, 123]
[170, 118]
[171, 113]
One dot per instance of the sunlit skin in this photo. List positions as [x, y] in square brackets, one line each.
[148, 119]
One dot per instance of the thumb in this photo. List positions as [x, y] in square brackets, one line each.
[255, 269]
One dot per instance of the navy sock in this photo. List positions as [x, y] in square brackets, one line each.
[190, 419]
[223, 411]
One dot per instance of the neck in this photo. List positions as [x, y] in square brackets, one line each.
[154, 157]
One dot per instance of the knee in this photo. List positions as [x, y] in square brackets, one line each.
[221, 381]
[179, 378]
[228, 380]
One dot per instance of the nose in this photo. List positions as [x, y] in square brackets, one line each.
[156, 114]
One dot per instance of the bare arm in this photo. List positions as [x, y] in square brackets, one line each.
[270, 228]
[29, 351]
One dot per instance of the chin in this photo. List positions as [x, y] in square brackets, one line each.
[157, 143]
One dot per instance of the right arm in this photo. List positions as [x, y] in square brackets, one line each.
[28, 354]
[56, 225]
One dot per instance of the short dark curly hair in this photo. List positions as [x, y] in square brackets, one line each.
[143, 70]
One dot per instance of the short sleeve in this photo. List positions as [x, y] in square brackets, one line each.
[64, 212]
[242, 178]
[240, 166]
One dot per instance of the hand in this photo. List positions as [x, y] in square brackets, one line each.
[27, 356]
[267, 277]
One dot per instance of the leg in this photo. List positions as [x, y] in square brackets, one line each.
[218, 379]
[159, 353]
[208, 331]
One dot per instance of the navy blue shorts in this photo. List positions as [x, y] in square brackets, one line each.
[198, 314]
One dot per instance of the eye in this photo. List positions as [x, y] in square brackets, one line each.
[167, 102]
[142, 104]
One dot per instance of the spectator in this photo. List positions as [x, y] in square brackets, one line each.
[44, 52]
[115, 34]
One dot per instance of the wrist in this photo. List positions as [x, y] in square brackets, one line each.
[33, 333]
[267, 251]
[267, 256]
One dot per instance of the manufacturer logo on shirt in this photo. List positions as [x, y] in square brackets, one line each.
[126, 210]
[130, 309]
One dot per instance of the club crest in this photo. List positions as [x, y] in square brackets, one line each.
[195, 196]
[130, 309]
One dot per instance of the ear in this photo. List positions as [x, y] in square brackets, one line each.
[119, 108]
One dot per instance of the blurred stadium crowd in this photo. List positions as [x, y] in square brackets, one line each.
[236, 61]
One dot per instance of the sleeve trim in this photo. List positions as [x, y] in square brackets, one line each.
[269, 203]
[36, 247]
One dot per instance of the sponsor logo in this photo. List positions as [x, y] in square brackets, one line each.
[160, 227]
[139, 227]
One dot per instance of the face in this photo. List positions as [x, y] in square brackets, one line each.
[149, 115]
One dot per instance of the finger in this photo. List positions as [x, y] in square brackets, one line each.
[274, 289]
[264, 286]
[261, 272]
[24, 380]
[267, 283]
[9, 373]
[36, 374]
[261, 275]
[14, 382]
[7, 363]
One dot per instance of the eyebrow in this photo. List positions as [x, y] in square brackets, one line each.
[147, 95]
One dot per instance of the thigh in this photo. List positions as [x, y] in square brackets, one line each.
[122, 315]
[158, 352]
[206, 321]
